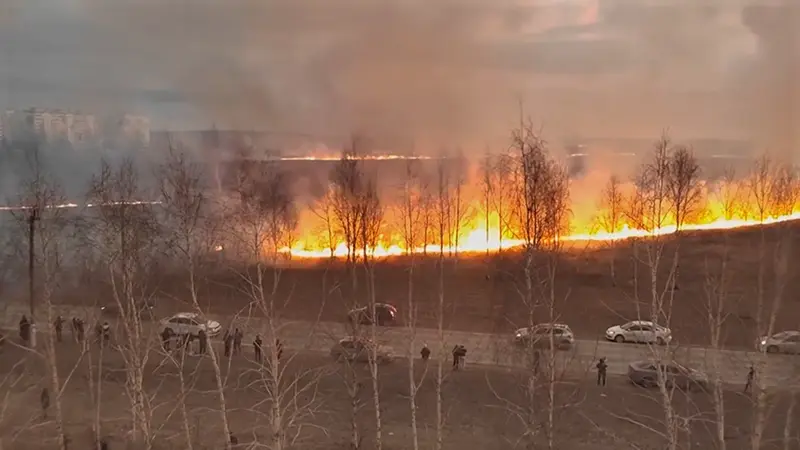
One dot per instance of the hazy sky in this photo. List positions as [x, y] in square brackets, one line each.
[433, 70]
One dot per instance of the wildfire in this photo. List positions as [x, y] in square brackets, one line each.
[480, 231]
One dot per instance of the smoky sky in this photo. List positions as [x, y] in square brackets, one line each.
[440, 72]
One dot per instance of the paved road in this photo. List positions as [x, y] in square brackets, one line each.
[730, 365]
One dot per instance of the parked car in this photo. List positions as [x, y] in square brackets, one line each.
[646, 373]
[383, 315]
[190, 323]
[144, 307]
[783, 342]
[538, 336]
[360, 350]
[641, 331]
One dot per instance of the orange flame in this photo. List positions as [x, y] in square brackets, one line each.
[480, 230]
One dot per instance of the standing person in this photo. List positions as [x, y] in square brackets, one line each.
[24, 329]
[537, 356]
[751, 376]
[202, 338]
[44, 400]
[455, 357]
[81, 329]
[58, 325]
[106, 333]
[425, 352]
[602, 369]
[98, 332]
[462, 356]
[279, 348]
[237, 341]
[228, 341]
[166, 336]
[257, 348]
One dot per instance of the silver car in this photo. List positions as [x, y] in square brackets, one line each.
[359, 349]
[641, 331]
[182, 324]
[646, 374]
[783, 342]
[538, 336]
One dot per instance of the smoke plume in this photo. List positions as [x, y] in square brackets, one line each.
[430, 73]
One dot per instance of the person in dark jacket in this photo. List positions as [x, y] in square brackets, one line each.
[24, 330]
[537, 357]
[106, 333]
[602, 369]
[237, 341]
[279, 348]
[202, 338]
[58, 326]
[425, 352]
[98, 332]
[257, 345]
[455, 357]
[228, 341]
[166, 337]
[44, 400]
[751, 376]
[462, 356]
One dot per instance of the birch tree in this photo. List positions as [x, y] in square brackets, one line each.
[125, 234]
[612, 215]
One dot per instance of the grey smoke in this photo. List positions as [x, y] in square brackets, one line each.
[434, 72]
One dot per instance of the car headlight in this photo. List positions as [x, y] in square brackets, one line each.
[763, 342]
[609, 332]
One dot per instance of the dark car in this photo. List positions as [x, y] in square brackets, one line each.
[360, 350]
[539, 336]
[145, 309]
[646, 374]
[382, 315]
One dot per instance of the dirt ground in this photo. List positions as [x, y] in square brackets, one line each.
[482, 408]
[482, 293]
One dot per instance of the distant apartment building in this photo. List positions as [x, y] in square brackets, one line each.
[55, 125]
[48, 125]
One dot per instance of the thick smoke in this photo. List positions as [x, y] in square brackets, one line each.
[434, 71]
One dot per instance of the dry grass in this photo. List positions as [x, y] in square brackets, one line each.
[587, 417]
[483, 292]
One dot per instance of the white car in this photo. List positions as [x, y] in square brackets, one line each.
[641, 331]
[783, 342]
[190, 323]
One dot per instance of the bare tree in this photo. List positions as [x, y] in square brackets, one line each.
[650, 207]
[412, 211]
[685, 195]
[717, 291]
[761, 185]
[487, 191]
[359, 215]
[542, 212]
[189, 222]
[612, 214]
[786, 191]
[730, 196]
[47, 226]
[323, 209]
[125, 233]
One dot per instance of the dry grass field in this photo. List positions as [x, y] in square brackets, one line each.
[477, 407]
[482, 293]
